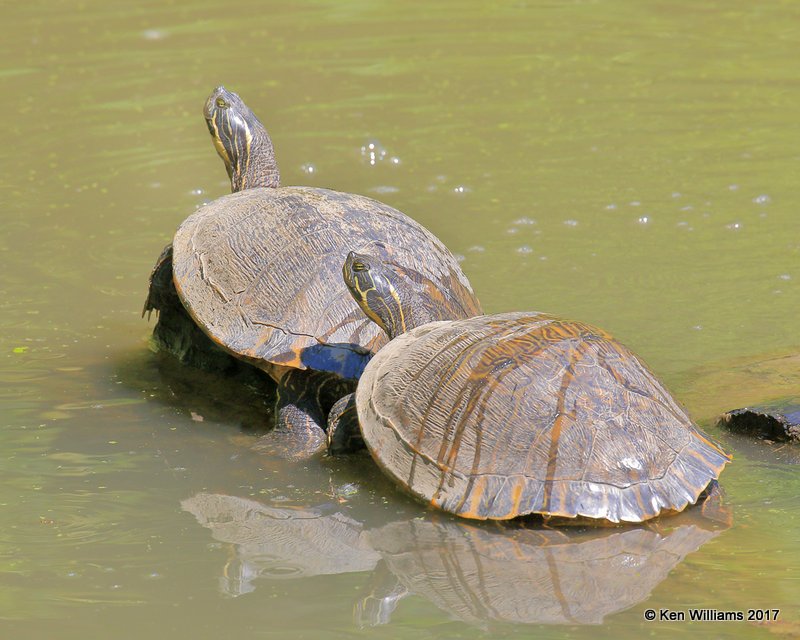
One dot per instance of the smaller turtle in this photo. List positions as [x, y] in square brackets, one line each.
[499, 416]
[778, 421]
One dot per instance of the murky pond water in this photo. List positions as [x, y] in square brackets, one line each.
[629, 164]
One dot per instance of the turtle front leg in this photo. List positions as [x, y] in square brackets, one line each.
[344, 432]
[303, 399]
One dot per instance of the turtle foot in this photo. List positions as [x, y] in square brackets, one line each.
[292, 444]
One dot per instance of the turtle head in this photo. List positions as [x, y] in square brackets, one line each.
[378, 291]
[241, 141]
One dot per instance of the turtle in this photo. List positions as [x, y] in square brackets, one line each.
[504, 415]
[777, 421]
[258, 271]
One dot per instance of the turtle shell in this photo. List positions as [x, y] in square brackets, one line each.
[260, 271]
[505, 415]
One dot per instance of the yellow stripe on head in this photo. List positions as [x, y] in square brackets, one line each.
[371, 283]
[399, 308]
[221, 150]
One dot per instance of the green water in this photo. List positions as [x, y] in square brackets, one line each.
[630, 164]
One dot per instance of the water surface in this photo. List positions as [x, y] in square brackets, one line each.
[633, 165]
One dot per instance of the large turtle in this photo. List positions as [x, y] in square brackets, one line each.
[259, 272]
[500, 416]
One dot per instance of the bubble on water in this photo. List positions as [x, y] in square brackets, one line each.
[512, 230]
[611, 207]
[697, 327]
[785, 276]
[476, 248]
[308, 169]
[459, 257]
[394, 160]
[197, 192]
[542, 257]
[762, 199]
[461, 189]
[644, 219]
[571, 223]
[154, 34]
[384, 188]
[524, 250]
[373, 152]
[525, 220]
[734, 226]
[676, 194]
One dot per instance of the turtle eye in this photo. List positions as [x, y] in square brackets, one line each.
[360, 266]
[221, 103]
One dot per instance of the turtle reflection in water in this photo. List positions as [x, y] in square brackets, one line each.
[504, 415]
[478, 573]
[482, 574]
[258, 271]
[280, 542]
